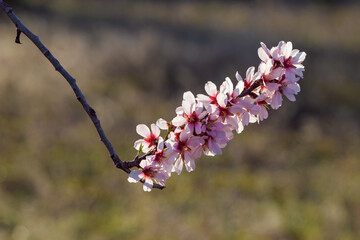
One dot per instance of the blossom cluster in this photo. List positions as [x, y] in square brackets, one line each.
[204, 124]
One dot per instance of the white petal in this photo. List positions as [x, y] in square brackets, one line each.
[276, 73]
[276, 100]
[238, 77]
[301, 57]
[214, 147]
[178, 121]
[245, 119]
[262, 68]
[210, 88]
[189, 163]
[239, 88]
[162, 124]
[138, 143]
[189, 97]
[221, 99]
[290, 97]
[250, 73]
[263, 114]
[290, 76]
[294, 52]
[187, 107]
[229, 86]
[265, 48]
[240, 126]
[143, 130]
[198, 126]
[203, 99]
[155, 130]
[178, 166]
[148, 185]
[288, 49]
[134, 176]
[185, 134]
[262, 54]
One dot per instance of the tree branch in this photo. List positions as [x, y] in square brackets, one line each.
[125, 166]
[21, 28]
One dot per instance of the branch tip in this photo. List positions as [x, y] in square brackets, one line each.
[17, 39]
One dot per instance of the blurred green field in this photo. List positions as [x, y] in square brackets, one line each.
[294, 176]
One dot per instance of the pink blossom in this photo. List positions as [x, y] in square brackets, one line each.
[162, 158]
[262, 102]
[216, 136]
[190, 113]
[206, 123]
[249, 79]
[287, 88]
[147, 173]
[150, 137]
[186, 149]
[212, 92]
[268, 74]
[291, 61]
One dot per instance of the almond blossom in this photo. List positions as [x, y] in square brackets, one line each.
[205, 123]
[150, 137]
[189, 114]
[147, 173]
[186, 149]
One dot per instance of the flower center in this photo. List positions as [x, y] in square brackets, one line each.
[149, 172]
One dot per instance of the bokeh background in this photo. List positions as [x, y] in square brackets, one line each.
[294, 176]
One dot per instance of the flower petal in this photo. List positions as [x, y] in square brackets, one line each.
[143, 130]
[178, 166]
[178, 121]
[162, 124]
[210, 88]
[138, 143]
[134, 176]
[189, 97]
[148, 184]
[155, 130]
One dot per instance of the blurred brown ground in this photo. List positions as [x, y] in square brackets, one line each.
[294, 176]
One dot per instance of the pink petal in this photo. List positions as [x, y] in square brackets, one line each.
[288, 49]
[210, 88]
[138, 143]
[198, 126]
[143, 130]
[148, 185]
[155, 130]
[238, 77]
[187, 107]
[162, 124]
[221, 100]
[134, 176]
[262, 54]
[203, 98]
[185, 134]
[276, 100]
[178, 121]
[178, 166]
[250, 73]
[265, 48]
[189, 97]
[239, 88]
[214, 147]
[189, 163]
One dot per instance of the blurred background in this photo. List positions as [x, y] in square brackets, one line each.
[294, 176]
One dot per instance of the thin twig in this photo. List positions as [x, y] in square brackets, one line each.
[21, 28]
